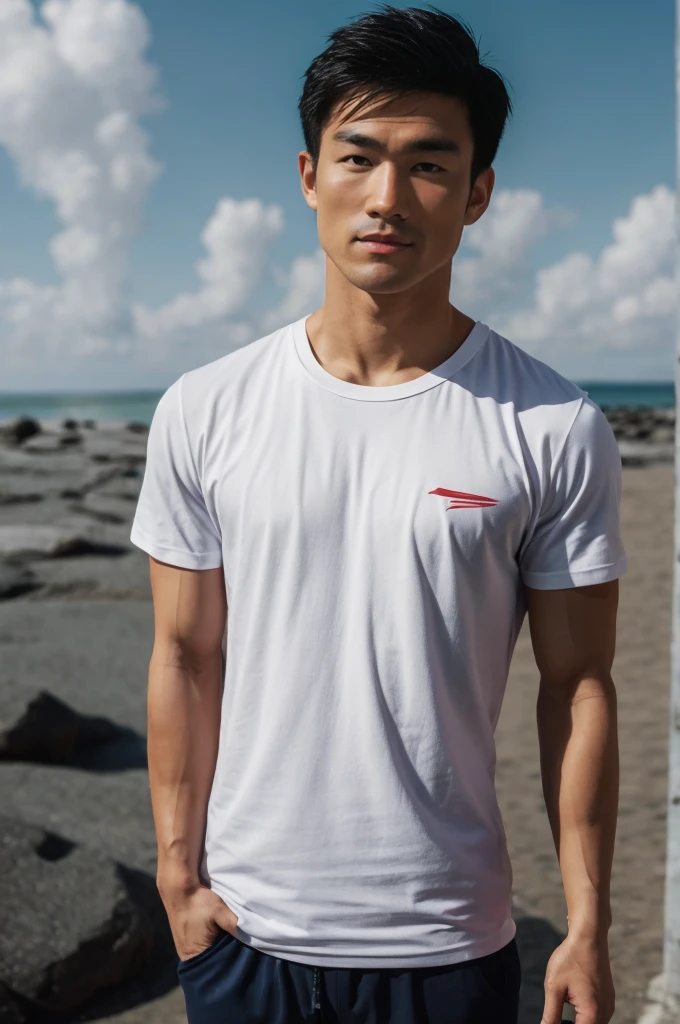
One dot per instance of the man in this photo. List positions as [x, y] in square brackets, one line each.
[375, 494]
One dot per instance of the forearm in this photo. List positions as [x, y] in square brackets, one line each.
[577, 729]
[183, 735]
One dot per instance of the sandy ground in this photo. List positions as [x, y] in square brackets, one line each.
[641, 674]
[87, 636]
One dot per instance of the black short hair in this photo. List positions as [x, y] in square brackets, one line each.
[394, 52]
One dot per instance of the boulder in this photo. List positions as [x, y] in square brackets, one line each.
[645, 453]
[42, 541]
[48, 730]
[663, 434]
[94, 479]
[72, 921]
[43, 444]
[96, 508]
[70, 437]
[15, 579]
[10, 1011]
[20, 497]
[105, 508]
[21, 429]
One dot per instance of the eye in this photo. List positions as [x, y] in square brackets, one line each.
[429, 167]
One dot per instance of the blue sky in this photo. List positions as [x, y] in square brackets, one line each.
[593, 131]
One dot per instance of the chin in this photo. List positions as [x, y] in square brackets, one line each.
[382, 280]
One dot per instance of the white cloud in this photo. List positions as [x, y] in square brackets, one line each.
[608, 302]
[236, 239]
[503, 236]
[304, 284]
[73, 87]
[72, 91]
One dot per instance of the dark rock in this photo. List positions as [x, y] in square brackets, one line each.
[96, 478]
[92, 480]
[107, 507]
[16, 579]
[663, 434]
[157, 976]
[20, 497]
[645, 453]
[641, 424]
[35, 541]
[78, 588]
[137, 428]
[21, 428]
[10, 1010]
[70, 439]
[89, 424]
[50, 732]
[44, 444]
[99, 508]
[72, 922]
[70, 424]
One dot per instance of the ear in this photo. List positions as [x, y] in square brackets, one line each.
[480, 195]
[307, 178]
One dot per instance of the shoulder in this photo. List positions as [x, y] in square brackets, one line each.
[207, 388]
[523, 379]
[547, 406]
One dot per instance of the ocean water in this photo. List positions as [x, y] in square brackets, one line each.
[139, 405]
[647, 395]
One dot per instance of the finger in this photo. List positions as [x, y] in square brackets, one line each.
[225, 918]
[587, 1013]
[552, 1008]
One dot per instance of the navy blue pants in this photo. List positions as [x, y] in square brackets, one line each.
[232, 983]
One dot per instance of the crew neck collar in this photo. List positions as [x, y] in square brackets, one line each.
[370, 393]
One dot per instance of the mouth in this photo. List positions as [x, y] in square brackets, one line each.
[385, 244]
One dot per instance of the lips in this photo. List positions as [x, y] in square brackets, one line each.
[391, 240]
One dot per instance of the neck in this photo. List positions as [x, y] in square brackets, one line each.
[382, 339]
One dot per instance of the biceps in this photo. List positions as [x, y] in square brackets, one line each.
[573, 631]
[189, 612]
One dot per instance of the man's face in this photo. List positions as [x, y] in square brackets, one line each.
[399, 167]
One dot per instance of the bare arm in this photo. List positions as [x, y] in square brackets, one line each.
[573, 634]
[184, 701]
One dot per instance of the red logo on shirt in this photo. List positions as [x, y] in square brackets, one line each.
[461, 499]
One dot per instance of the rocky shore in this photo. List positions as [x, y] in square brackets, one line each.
[84, 936]
[645, 436]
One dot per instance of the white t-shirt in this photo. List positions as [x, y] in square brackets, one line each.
[374, 542]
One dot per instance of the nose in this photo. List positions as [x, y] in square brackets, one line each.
[388, 193]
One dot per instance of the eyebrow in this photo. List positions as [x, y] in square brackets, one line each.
[431, 144]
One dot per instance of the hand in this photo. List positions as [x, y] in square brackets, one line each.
[579, 973]
[196, 915]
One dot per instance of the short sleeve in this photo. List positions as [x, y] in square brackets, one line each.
[576, 540]
[171, 521]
